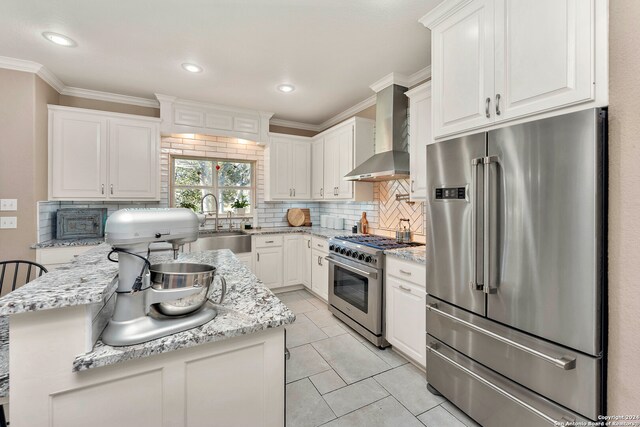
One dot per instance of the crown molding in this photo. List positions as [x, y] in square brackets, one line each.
[420, 76]
[109, 97]
[19, 64]
[390, 79]
[296, 125]
[51, 79]
[442, 12]
[350, 112]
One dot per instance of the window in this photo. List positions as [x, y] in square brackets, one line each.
[228, 180]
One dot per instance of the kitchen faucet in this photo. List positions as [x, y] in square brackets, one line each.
[202, 208]
[230, 221]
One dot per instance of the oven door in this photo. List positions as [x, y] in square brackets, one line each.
[355, 290]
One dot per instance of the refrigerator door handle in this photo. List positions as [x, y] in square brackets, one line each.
[473, 283]
[433, 348]
[489, 225]
[563, 362]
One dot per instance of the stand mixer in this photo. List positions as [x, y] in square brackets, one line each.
[130, 231]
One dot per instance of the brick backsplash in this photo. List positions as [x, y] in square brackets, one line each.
[383, 212]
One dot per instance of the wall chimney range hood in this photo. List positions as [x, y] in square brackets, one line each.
[391, 158]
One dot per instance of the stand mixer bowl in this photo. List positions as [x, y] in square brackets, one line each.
[178, 276]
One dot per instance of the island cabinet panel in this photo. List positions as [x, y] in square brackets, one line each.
[138, 397]
[238, 381]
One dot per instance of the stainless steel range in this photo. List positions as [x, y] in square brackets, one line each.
[356, 282]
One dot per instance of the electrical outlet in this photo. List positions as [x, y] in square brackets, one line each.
[8, 204]
[8, 222]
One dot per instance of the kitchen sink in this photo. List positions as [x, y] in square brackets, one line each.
[236, 241]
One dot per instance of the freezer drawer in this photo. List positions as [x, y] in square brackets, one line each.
[565, 376]
[489, 398]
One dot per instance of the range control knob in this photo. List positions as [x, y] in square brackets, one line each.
[348, 252]
[331, 247]
[342, 251]
[368, 258]
[355, 254]
[361, 257]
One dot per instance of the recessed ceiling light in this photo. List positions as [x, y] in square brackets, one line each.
[59, 39]
[192, 68]
[286, 88]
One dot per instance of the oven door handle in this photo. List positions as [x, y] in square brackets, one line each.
[357, 270]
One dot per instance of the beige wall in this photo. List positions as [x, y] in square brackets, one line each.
[17, 153]
[291, 131]
[624, 208]
[114, 107]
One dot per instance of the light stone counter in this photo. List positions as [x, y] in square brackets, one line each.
[415, 254]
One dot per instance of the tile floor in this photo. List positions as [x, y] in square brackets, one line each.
[337, 378]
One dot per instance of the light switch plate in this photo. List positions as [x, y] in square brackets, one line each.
[8, 222]
[8, 204]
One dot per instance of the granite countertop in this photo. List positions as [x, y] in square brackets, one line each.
[4, 356]
[61, 243]
[248, 307]
[414, 254]
[315, 231]
[88, 279]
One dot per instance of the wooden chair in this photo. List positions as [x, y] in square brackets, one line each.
[11, 270]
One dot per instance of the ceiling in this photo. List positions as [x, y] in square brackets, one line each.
[331, 50]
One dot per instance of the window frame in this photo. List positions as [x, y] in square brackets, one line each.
[214, 187]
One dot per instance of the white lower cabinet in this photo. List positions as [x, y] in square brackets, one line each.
[406, 316]
[319, 273]
[292, 260]
[54, 258]
[268, 266]
[305, 263]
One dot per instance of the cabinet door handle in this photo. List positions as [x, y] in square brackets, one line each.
[258, 254]
[408, 273]
[102, 189]
[486, 107]
[318, 261]
[498, 104]
[269, 241]
[404, 288]
[412, 182]
[290, 191]
[309, 244]
[294, 192]
[111, 188]
[322, 192]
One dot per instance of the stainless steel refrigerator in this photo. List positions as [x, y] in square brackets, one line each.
[516, 275]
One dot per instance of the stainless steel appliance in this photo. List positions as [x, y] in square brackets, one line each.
[516, 274]
[135, 319]
[356, 282]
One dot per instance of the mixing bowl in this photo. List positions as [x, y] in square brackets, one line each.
[180, 275]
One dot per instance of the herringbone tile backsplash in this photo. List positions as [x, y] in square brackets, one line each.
[391, 210]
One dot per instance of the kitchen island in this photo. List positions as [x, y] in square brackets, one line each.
[229, 371]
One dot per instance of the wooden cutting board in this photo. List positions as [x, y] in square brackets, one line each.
[307, 217]
[295, 217]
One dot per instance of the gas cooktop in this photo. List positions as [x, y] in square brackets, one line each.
[377, 242]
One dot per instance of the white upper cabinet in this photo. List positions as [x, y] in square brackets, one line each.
[95, 155]
[288, 166]
[420, 135]
[77, 155]
[544, 55]
[343, 147]
[133, 159]
[317, 169]
[495, 61]
[462, 68]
